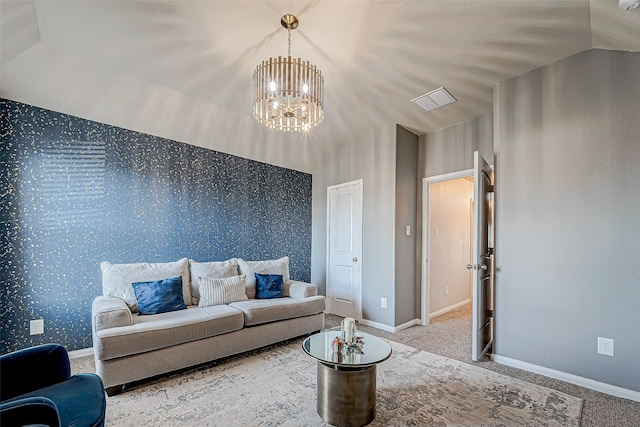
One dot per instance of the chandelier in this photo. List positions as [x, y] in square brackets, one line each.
[288, 92]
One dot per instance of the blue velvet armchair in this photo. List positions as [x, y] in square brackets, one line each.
[36, 387]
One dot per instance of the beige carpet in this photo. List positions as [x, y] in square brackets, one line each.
[277, 387]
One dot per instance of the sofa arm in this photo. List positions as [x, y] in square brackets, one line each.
[43, 365]
[299, 290]
[109, 313]
[29, 411]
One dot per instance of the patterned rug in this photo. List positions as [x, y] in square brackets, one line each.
[277, 387]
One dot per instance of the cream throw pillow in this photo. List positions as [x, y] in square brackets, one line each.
[221, 291]
[214, 270]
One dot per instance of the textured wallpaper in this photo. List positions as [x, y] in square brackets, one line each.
[77, 192]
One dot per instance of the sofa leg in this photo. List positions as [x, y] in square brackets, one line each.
[113, 391]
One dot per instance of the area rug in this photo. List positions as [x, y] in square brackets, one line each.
[277, 387]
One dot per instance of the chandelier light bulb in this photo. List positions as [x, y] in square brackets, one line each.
[272, 86]
[305, 88]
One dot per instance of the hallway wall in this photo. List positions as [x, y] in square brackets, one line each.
[450, 216]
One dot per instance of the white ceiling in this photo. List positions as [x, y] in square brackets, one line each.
[182, 69]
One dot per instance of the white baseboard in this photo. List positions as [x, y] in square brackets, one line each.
[570, 378]
[390, 328]
[377, 325]
[81, 353]
[448, 309]
[407, 325]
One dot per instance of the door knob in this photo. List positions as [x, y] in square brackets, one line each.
[354, 259]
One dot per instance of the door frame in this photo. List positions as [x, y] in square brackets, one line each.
[424, 279]
[360, 259]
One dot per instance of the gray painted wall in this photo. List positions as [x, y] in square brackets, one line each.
[451, 149]
[406, 208]
[568, 216]
[372, 159]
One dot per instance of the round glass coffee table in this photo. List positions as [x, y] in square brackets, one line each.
[346, 380]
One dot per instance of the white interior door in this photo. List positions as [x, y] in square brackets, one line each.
[482, 262]
[344, 237]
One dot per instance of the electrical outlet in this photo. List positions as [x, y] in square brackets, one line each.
[383, 302]
[446, 290]
[605, 346]
[36, 327]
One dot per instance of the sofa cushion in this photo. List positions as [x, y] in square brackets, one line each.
[117, 279]
[159, 296]
[269, 286]
[166, 329]
[273, 266]
[213, 270]
[221, 291]
[257, 311]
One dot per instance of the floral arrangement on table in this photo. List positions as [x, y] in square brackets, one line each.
[355, 347]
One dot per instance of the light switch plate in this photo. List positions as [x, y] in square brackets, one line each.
[36, 327]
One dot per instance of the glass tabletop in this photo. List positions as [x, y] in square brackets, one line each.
[373, 350]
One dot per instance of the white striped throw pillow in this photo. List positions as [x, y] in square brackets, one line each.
[221, 291]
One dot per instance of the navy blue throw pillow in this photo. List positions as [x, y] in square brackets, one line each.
[269, 286]
[159, 296]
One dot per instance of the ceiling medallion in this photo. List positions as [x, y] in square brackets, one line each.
[288, 92]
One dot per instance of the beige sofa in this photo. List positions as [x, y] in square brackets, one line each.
[129, 347]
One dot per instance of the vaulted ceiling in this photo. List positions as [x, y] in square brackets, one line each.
[182, 69]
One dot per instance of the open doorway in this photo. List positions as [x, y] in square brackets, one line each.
[447, 243]
[453, 252]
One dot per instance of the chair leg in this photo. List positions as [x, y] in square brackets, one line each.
[115, 390]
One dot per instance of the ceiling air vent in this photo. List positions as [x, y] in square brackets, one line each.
[434, 99]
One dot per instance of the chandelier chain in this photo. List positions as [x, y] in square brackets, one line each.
[289, 29]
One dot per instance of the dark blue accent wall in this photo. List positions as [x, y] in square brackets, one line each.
[77, 192]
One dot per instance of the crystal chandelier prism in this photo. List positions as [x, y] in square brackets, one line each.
[288, 92]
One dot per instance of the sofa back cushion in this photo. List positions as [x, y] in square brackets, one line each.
[212, 270]
[117, 279]
[272, 266]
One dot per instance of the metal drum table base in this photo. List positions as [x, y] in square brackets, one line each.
[346, 396]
